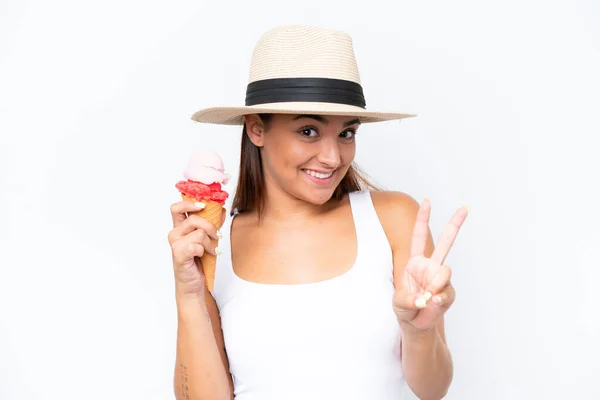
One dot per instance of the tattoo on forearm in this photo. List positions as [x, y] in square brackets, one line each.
[185, 393]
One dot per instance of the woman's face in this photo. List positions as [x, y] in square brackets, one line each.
[305, 156]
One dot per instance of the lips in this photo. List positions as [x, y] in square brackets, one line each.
[317, 174]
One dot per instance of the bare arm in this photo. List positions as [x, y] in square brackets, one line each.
[427, 364]
[426, 360]
[201, 369]
[201, 365]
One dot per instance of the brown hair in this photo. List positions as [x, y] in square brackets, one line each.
[249, 194]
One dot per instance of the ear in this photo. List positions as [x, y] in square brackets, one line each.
[255, 129]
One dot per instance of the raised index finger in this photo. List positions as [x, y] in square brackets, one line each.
[449, 236]
[421, 230]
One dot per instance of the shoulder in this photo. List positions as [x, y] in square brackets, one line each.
[397, 212]
[393, 202]
[395, 206]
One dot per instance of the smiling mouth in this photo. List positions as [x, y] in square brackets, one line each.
[318, 175]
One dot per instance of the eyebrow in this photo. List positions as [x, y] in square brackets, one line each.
[324, 120]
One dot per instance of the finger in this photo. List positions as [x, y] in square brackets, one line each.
[195, 244]
[185, 251]
[420, 230]
[200, 237]
[445, 298]
[179, 210]
[449, 236]
[440, 279]
[192, 223]
[409, 301]
[206, 242]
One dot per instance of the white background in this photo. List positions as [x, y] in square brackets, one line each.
[95, 129]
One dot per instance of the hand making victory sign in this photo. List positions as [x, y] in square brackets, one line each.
[425, 291]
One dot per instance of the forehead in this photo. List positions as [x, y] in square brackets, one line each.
[323, 119]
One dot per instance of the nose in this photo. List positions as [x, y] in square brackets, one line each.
[329, 153]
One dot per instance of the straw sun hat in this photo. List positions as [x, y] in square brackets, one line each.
[300, 69]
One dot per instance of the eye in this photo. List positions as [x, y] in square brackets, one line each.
[308, 132]
[349, 134]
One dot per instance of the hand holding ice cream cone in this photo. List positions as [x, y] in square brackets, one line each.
[197, 219]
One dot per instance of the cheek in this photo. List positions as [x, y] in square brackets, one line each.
[289, 153]
[283, 157]
[298, 155]
[347, 153]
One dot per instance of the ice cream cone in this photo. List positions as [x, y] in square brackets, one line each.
[213, 212]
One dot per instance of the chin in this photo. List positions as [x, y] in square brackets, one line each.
[317, 196]
[319, 199]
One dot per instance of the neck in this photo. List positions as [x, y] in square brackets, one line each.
[280, 206]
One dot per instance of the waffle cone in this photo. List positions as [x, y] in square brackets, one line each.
[213, 212]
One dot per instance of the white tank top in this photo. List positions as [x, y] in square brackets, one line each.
[334, 339]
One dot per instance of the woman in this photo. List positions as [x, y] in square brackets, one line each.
[324, 289]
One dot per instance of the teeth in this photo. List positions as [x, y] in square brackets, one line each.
[318, 174]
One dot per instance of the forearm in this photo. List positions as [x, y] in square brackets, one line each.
[199, 370]
[427, 364]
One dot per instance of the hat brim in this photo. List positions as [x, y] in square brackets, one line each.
[235, 115]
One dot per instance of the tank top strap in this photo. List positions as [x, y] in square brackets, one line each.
[372, 241]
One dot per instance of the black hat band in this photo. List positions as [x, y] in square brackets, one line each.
[325, 90]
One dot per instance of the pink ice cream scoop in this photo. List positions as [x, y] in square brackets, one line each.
[204, 176]
[206, 167]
